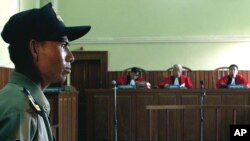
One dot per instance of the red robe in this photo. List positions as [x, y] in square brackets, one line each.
[226, 80]
[183, 79]
[122, 80]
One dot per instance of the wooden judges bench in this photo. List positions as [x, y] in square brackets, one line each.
[176, 125]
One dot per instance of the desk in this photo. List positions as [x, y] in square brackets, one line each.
[133, 121]
[154, 122]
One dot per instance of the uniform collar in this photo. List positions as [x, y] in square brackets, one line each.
[35, 91]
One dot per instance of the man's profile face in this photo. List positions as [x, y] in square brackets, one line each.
[54, 60]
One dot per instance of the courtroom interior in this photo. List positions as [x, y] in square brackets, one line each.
[205, 37]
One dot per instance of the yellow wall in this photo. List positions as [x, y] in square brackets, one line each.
[154, 35]
[160, 56]
[200, 34]
[7, 8]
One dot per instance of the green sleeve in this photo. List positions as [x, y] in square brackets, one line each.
[9, 127]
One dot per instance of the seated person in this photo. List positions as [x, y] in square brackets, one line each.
[232, 79]
[133, 79]
[177, 79]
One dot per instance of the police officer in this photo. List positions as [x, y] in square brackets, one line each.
[38, 46]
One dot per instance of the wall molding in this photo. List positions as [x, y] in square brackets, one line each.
[55, 4]
[165, 39]
[38, 4]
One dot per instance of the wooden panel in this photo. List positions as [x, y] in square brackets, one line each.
[171, 126]
[63, 115]
[68, 117]
[210, 120]
[124, 116]
[141, 116]
[53, 100]
[4, 76]
[166, 130]
[154, 108]
[155, 77]
[190, 118]
[89, 70]
[102, 118]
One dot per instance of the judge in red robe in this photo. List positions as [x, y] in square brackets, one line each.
[177, 78]
[232, 79]
[134, 78]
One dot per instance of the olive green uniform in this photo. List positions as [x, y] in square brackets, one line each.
[19, 120]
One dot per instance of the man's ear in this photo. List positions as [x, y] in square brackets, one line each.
[34, 49]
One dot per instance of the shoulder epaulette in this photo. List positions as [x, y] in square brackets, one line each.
[33, 103]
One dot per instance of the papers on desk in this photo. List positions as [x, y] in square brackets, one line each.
[236, 86]
[53, 90]
[175, 87]
[126, 86]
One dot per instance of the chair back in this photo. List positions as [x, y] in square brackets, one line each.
[126, 71]
[218, 73]
[185, 71]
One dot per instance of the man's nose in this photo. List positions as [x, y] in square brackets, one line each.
[70, 57]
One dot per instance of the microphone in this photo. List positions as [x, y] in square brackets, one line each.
[203, 92]
[202, 82]
[113, 83]
[115, 110]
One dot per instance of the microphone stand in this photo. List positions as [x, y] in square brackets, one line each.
[115, 113]
[203, 93]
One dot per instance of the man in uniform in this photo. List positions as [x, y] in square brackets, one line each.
[38, 46]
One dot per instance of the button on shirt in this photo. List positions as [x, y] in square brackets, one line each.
[18, 121]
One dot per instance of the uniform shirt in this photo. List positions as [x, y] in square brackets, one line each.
[18, 120]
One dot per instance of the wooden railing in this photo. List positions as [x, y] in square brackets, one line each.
[154, 122]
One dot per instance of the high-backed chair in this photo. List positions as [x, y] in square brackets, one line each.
[185, 71]
[128, 70]
[218, 73]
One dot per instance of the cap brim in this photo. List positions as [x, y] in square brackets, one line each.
[76, 32]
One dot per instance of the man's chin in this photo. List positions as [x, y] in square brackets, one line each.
[63, 79]
[60, 80]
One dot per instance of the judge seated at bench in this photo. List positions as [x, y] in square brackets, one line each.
[133, 79]
[177, 80]
[233, 80]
